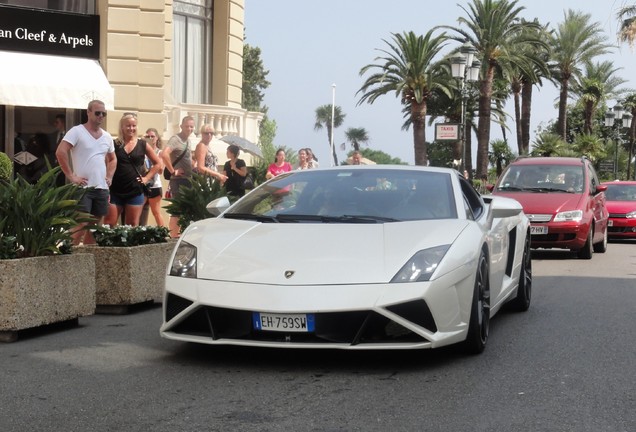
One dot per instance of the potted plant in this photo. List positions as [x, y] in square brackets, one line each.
[191, 202]
[5, 168]
[40, 282]
[130, 266]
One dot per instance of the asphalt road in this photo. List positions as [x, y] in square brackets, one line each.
[568, 364]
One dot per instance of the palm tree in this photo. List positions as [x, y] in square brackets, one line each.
[523, 77]
[357, 136]
[598, 83]
[540, 72]
[548, 144]
[590, 146]
[494, 28]
[409, 70]
[323, 119]
[500, 155]
[575, 41]
[627, 20]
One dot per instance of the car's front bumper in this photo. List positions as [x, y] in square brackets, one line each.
[370, 316]
[561, 235]
[621, 227]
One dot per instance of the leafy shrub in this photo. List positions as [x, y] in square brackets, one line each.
[8, 247]
[126, 235]
[5, 167]
[190, 204]
[39, 216]
[8, 244]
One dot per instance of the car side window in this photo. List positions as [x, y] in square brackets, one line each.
[472, 199]
[592, 179]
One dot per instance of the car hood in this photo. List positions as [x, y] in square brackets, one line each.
[620, 206]
[545, 202]
[266, 253]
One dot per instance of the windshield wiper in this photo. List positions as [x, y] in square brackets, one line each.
[545, 189]
[250, 216]
[356, 219]
[331, 219]
[509, 188]
[298, 218]
[370, 218]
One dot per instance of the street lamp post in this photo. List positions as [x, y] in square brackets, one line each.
[465, 67]
[625, 118]
[333, 114]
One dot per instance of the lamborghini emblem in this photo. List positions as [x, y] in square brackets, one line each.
[289, 273]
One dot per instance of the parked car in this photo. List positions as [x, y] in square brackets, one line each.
[352, 257]
[563, 199]
[621, 205]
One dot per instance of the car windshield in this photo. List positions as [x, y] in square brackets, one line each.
[542, 178]
[350, 196]
[617, 192]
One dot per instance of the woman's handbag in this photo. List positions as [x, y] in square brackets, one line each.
[248, 183]
[146, 187]
[166, 174]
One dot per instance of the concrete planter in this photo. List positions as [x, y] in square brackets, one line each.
[129, 276]
[45, 290]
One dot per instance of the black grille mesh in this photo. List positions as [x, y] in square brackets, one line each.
[175, 305]
[357, 327]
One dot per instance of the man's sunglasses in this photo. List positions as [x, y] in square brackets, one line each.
[100, 113]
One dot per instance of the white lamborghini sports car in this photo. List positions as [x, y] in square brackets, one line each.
[371, 257]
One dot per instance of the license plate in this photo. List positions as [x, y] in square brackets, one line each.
[299, 323]
[538, 229]
[610, 223]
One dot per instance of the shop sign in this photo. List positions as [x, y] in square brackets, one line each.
[49, 32]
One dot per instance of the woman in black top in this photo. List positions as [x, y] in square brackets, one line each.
[126, 189]
[236, 170]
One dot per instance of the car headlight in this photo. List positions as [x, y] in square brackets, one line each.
[569, 216]
[184, 263]
[421, 266]
[631, 215]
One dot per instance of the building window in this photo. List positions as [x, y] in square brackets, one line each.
[191, 71]
[77, 6]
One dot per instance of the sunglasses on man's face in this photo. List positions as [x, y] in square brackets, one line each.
[100, 113]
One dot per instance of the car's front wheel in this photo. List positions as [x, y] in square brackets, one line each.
[521, 302]
[588, 249]
[479, 324]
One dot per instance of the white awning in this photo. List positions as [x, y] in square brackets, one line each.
[37, 80]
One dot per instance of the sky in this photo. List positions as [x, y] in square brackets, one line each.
[309, 46]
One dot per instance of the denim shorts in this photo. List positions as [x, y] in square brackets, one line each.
[136, 200]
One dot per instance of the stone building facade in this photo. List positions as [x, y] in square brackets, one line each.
[162, 59]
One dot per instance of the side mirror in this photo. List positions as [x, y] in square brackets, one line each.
[503, 207]
[600, 188]
[218, 206]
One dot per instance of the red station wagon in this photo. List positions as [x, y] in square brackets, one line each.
[563, 199]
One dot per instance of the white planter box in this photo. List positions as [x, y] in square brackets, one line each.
[45, 290]
[127, 276]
